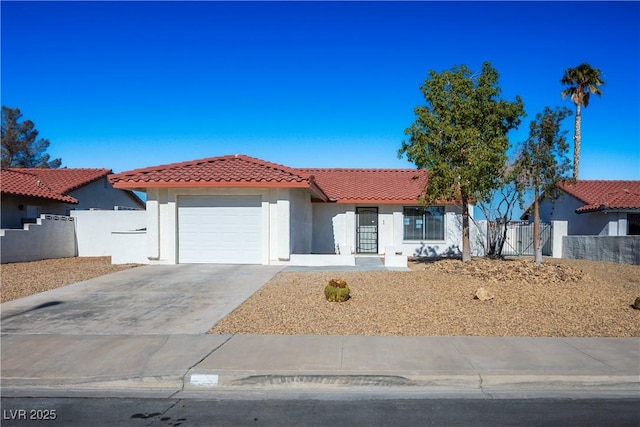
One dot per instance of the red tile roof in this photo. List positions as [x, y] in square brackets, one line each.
[370, 185]
[605, 195]
[337, 185]
[226, 170]
[52, 184]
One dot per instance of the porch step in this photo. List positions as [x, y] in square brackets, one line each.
[369, 261]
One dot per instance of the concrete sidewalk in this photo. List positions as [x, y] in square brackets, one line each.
[184, 365]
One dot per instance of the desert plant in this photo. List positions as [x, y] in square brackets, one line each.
[338, 283]
[337, 291]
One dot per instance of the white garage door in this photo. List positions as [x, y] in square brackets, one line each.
[219, 229]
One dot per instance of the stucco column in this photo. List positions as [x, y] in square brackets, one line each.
[283, 213]
[350, 230]
[398, 229]
[153, 224]
[559, 229]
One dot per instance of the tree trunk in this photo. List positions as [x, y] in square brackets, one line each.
[537, 247]
[576, 143]
[466, 241]
[504, 224]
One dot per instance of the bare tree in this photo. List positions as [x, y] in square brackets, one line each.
[497, 208]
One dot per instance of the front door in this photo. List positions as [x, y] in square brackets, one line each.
[367, 230]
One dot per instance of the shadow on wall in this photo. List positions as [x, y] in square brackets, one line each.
[436, 251]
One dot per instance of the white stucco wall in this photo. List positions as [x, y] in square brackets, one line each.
[94, 228]
[301, 221]
[129, 247]
[334, 227]
[278, 236]
[52, 236]
[291, 224]
[329, 230]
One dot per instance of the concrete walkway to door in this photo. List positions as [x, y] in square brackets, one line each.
[155, 299]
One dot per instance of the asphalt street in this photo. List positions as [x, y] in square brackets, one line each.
[302, 412]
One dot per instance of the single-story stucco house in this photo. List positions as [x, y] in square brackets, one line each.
[29, 192]
[595, 207]
[240, 209]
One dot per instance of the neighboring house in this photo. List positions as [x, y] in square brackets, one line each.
[595, 207]
[239, 209]
[28, 193]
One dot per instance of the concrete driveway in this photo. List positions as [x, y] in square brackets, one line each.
[156, 299]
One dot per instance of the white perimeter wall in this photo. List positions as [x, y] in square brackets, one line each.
[94, 228]
[129, 247]
[52, 236]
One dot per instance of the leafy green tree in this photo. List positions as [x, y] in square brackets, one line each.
[460, 137]
[543, 162]
[20, 148]
[581, 81]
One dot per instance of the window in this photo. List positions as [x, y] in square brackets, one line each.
[424, 223]
[633, 224]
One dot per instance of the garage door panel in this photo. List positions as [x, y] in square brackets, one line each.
[220, 229]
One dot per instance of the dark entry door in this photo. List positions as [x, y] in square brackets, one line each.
[367, 230]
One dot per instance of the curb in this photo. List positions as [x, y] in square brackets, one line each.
[195, 383]
[258, 381]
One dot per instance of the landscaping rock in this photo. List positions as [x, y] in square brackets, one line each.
[483, 295]
[636, 304]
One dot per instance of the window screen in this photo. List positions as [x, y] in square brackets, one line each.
[424, 223]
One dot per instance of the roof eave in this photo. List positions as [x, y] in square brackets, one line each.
[606, 209]
[63, 199]
[415, 202]
[140, 186]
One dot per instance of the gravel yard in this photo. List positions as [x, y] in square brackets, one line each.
[563, 298]
[22, 279]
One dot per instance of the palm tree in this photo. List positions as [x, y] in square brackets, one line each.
[581, 81]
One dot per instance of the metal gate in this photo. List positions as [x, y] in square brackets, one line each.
[367, 230]
[519, 239]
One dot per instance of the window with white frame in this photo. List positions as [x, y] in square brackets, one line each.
[422, 223]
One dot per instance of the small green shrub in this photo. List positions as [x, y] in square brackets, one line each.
[337, 291]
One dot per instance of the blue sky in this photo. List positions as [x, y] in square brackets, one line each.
[124, 85]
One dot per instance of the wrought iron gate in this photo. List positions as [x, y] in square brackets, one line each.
[367, 230]
[519, 239]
